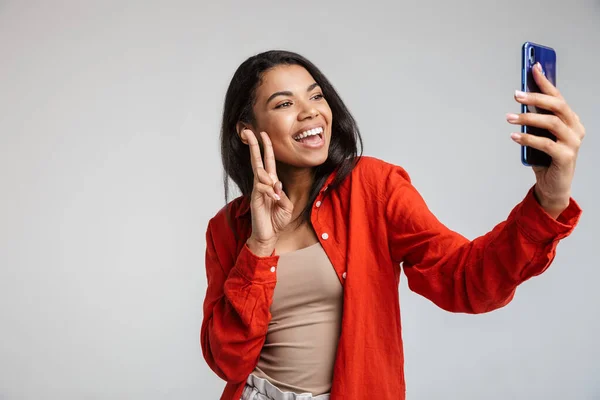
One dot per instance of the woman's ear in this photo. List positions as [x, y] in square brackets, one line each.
[240, 126]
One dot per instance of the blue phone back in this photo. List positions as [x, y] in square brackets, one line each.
[546, 56]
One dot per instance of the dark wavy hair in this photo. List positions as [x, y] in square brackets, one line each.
[239, 100]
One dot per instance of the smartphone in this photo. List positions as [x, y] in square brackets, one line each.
[546, 56]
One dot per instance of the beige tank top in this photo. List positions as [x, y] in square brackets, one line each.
[301, 344]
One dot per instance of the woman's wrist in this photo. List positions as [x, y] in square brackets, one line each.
[261, 248]
[553, 207]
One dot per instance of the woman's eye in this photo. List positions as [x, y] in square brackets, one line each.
[318, 96]
[284, 104]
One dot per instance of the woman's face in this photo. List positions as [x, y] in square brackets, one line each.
[291, 109]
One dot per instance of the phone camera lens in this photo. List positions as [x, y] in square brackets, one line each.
[531, 55]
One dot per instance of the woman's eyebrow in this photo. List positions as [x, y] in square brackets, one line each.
[288, 93]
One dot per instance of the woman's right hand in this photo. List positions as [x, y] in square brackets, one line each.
[270, 207]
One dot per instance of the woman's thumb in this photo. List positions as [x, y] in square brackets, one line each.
[278, 188]
[284, 199]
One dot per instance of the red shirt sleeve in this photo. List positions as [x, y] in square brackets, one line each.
[475, 276]
[236, 310]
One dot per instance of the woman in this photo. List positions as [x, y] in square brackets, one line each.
[303, 268]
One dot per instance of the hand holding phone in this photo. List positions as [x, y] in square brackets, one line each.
[551, 132]
[531, 54]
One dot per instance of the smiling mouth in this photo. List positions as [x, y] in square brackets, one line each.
[311, 135]
[311, 139]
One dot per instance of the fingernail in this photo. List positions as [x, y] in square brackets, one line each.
[515, 136]
[520, 95]
[538, 66]
[276, 196]
[512, 117]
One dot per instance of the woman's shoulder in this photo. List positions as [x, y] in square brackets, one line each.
[230, 212]
[373, 170]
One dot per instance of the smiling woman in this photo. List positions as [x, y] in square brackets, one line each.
[303, 268]
[299, 119]
[284, 94]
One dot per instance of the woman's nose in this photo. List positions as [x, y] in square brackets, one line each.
[308, 112]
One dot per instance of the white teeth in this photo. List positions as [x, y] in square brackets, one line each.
[310, 132]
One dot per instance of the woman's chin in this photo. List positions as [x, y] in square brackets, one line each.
[318, 158]
[309, 160]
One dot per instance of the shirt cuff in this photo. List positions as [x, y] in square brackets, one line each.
[257, 269]
[539, 226]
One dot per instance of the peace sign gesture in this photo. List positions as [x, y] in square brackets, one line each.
[270, 207]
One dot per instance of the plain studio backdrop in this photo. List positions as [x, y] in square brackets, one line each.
[110, 170]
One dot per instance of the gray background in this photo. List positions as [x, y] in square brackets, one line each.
[110, 170]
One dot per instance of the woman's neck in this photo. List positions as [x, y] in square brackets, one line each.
[296, 184]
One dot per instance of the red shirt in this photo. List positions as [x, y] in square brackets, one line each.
[371, 223]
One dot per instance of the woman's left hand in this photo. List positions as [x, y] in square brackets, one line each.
[553, 183]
